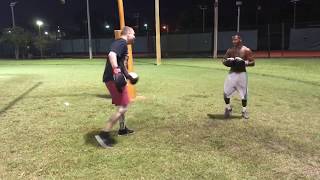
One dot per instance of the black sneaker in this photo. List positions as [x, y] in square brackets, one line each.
[227, 112]
[105, 139]
[125, 131]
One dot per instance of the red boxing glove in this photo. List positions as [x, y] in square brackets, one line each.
[116, 70]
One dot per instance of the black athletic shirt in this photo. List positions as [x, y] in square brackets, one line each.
[120, 48]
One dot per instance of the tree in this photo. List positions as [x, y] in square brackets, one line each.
[42, 43]
[17, 37]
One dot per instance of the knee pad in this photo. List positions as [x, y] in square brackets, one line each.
[244, 102]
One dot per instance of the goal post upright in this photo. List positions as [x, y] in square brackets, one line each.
[131, 88]
[158, 43]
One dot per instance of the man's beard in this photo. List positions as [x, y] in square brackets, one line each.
[130, 41]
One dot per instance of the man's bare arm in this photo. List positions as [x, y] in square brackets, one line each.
[250, 59]
[112, 56]
[228, 60]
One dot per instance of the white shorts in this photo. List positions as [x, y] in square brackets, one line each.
[236, 82]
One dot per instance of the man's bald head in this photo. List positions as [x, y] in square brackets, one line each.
[129, 34]
[126, 30]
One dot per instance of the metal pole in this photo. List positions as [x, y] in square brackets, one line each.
[203, 20]
[215, 46]
[137, 16]
[89, 31]
[12, 13]
[167, 44]
[16, 48]
[238, 24]
[41, 53]
[283, 38]
[269, 42]
[203, 8]
[238, 4]
[257, 14]
[294, 14]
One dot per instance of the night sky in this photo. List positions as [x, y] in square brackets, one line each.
[179, 14]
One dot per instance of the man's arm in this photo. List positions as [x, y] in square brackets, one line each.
[249, 60]
[125, 67]
[228, 60]
[112, 56]
[117, 68]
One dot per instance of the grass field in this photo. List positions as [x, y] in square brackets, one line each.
[180, 130]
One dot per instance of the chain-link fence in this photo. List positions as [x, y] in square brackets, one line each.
[190, 43]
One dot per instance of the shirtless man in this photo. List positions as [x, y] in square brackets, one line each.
[237, 58]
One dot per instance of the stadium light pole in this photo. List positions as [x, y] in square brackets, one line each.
[40, 23]
[16, 48]
[166, 28]
[12, 4]
[294, 12]
[203, 8]
[238, 4]
[215, 43]
[89, 31]
[148, 38]
[137, 16]
[257, 13]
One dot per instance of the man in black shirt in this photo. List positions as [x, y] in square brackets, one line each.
[114, 76]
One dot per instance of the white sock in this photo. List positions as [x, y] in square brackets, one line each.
[244, 109]
[228, 106]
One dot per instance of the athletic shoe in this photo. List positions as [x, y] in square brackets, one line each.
[125, 131]
[245, 114]
[227, 112]
[105, 139]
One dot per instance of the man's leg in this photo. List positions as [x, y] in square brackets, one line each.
[243, 90]
[115, 117]
[244, 111]
[124, 130]
[227, 109]
[104, 137]
[244, 104]
[228, 90]
[122, 122]
[227, 101]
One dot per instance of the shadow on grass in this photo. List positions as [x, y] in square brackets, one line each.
[104, 96]
[221, 117]
[91, 140]
[12, 103]
[197, 96]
